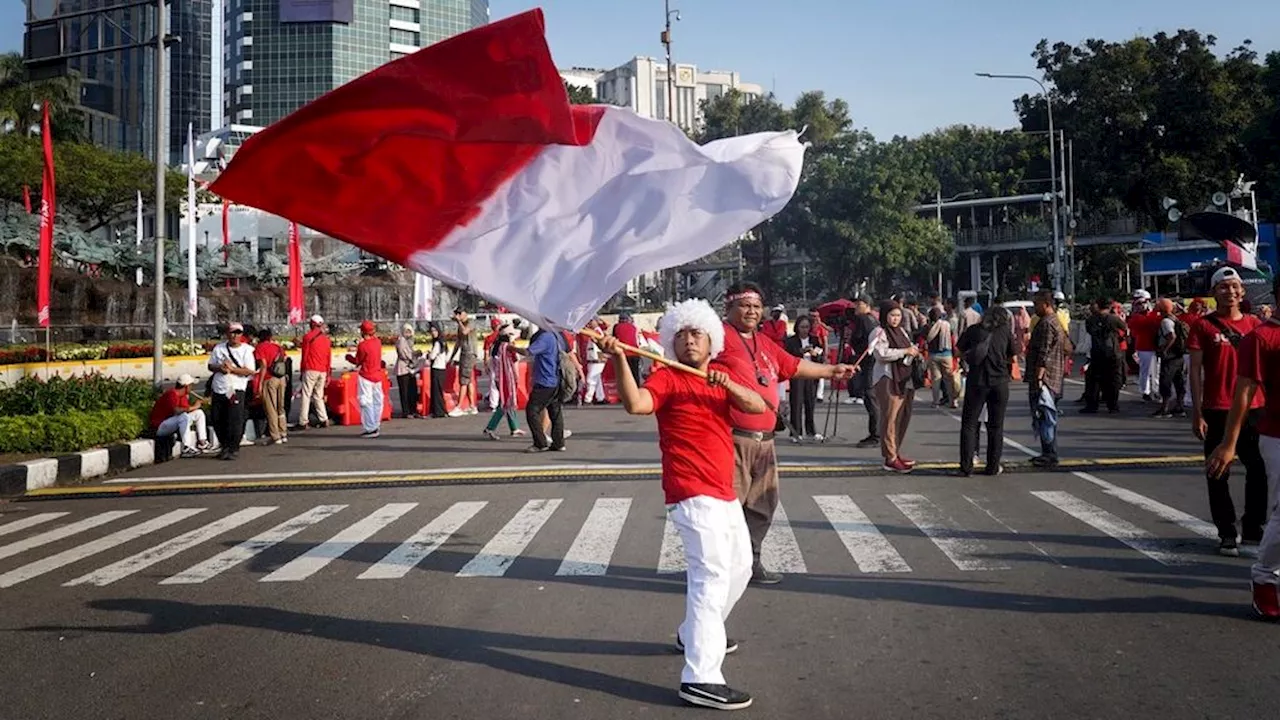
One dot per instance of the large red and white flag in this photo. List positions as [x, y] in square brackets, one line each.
[296, 297]
[466, 161]
[47, 209]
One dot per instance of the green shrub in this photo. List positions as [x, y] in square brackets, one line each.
[69, 431]
[86, 393]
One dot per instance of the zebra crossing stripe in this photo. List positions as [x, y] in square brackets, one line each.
[228, 559]
[145, 559]
[1184, 520]
[318, 557]
[870, 549]
[959, 545]
[404, 558]
[28, 522]
[500, 552]
[120, 537]
[65, 531]
[671, 556]
[780, 551]
[982, 505]
[1122, 530]
[593, 548]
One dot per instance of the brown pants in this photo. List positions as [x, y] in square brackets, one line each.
[895, 417]
[273, 406]
[755, 479]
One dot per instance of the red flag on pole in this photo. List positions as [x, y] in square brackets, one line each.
[296, 298]
[26, 197]
[46, 225]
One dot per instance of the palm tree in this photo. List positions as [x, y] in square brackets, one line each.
[21, 98]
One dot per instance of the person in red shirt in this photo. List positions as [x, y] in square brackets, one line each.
[368, 359]
[693, 417]
[775, 328]
[819, 334]
[760, 364]
[174, 413]
[1214, 341]
[1144, 325]
[1259, 355]
[270, 387]
[317, 362]
[628, 334]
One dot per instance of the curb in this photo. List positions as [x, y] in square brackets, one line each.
[596, 473]
[30, 476]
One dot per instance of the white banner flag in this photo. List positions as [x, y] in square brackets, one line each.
[138, 235]
[192, 301]
[423, 296]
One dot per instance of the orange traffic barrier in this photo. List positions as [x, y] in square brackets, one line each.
[342, 397]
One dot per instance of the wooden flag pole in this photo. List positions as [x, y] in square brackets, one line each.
[639, 352]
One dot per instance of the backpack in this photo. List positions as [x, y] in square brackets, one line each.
[1179, 346]
[278, 367]
[568, 371]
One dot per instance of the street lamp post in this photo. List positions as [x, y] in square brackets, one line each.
[161, 80]
[1053, 170]
[671, 70]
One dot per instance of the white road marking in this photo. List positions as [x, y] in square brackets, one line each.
[593, 548]
[959, 545]
[145, 559]
[436, 533]
[671, 556]
[870, 549]
[1122, 530]
[65, 531]
[1172, 514]
[27, 522]
[79, 552]
[780, 551]
[319, 557]
[500, 552]
[228, 559]
[982, 505]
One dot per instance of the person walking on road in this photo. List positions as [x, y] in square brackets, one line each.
[1259, 374]
[759, 363]
[1106, 370]
[232, 364]
[272, 371]
[989, 352]
[1215, 358]
[544, 352]
[695, 437]
[1171, 345]
[943, 376]
[1047, 352]
[371, 373]
[464, 356]
[317, 362]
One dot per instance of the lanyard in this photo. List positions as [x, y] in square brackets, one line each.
[760, 378]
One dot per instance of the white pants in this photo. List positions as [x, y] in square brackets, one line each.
[181, 423]
[1186, 373]
[595, 382]
[717, 549]
[313, 382]
[495, 392]
[1148, 373]
[1267, 570]
[370, 399]
[822, 388]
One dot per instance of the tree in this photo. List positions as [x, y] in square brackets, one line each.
[21, 99]
[579, 95]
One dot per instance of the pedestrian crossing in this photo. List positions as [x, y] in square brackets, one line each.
[870, 534]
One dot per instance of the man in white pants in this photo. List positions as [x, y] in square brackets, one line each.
[1144, 325]
[1259, 357]
[594, 392]
[174, 413]
[368, 359]
[697, 481]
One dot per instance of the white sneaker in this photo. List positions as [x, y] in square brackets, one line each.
[457, 412]
[473, 411]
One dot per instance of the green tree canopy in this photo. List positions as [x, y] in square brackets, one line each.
[579, 95]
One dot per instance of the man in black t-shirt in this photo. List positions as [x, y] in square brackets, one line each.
[864, 323]
[1105, 363]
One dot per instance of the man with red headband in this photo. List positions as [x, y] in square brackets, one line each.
[760, 364]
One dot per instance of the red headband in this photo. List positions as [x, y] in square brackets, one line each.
[744, 295]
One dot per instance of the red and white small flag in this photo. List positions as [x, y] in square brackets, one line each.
[466, 161]
[1240, 255]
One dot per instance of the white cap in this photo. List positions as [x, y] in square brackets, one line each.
[185, 380]
[1223, 274]
[235, 327]
[779, 308]
[317, 320]
[1141, 294]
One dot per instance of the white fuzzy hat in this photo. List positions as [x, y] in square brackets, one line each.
[692, 313]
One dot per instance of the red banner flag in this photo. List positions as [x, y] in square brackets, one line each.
[26, 197]
[46, 225]
[296, 298]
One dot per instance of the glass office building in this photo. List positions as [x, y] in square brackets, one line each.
[275, 61]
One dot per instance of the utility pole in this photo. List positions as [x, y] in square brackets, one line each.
[669, 276]
[161, 81]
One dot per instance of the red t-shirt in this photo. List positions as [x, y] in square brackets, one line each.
[368, 358]
[693, 434]
[267, 352]
[775, 330]
[1260, 361]
[317, 352]
[627, 333]
[167, 405]
[1143, 328]
[750, 360]
[1219, 359]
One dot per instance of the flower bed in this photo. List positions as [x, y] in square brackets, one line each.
[21, 354]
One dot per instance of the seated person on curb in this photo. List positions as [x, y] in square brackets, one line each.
[697, 480]
[174, 413]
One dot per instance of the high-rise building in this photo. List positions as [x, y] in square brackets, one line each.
[117, 89]
[281, 54]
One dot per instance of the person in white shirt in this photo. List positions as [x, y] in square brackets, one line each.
[595, 369]
[232, 365]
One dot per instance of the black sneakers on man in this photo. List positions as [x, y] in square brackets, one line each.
[760, 575]
[719, 697]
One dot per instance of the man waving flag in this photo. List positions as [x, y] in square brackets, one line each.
[465, 161]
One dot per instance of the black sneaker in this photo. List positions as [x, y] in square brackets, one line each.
[730, 645]
[1043, 461]
[760, 575]
[1228, 547]
[720, 697]
[370, 435]
[869, 442]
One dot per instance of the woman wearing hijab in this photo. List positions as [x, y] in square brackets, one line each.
[406, 363]
[438, 356]
[502, 359]
[804, 393]
[894, 384]
[989, 352]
